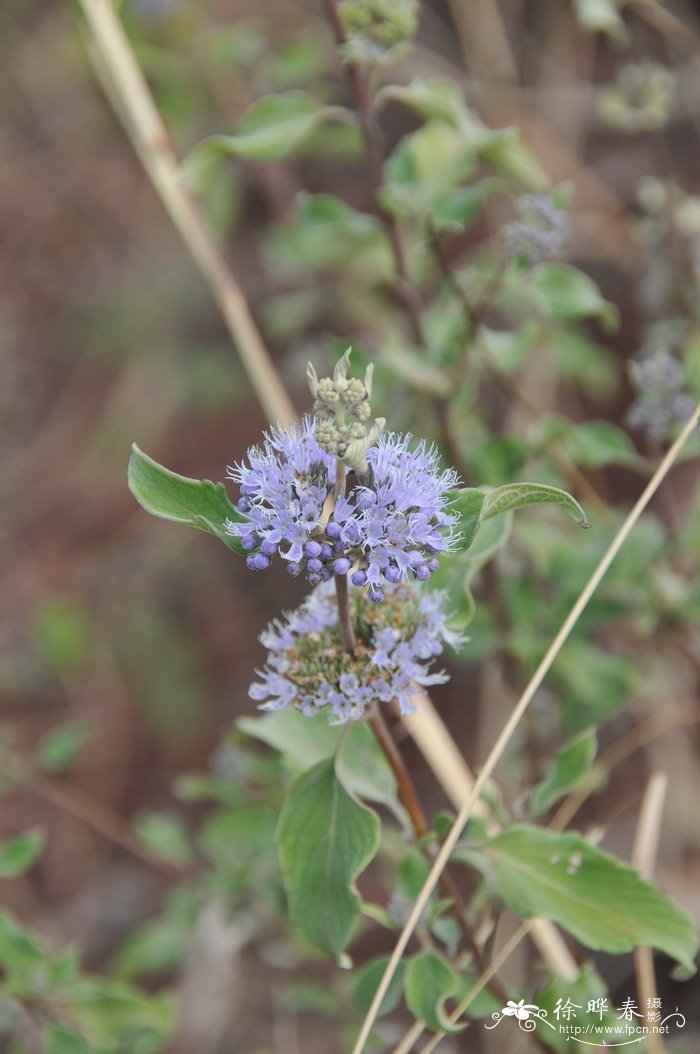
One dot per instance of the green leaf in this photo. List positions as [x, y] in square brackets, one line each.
[596, 444]
[594, 683]
[368, 981]
[60, 747]
[195, 502]
[21, 955]
[412, 874]
[484, 1004]
[570, 768]
[567, 293]
[154, 949]
[509, 156]
[63, 633]
[158, 946]
[429, 982]
[239, 836]
[441, 100]
[414, 370]
[166, 836]
[117, 1016]
[593, 444]
[587, 986]
[326, 838]
[312, 997]
[60, 1040]
[457, 570]
[468, 504]
[305, 741]
[273, 128]
[19, 854]
[459, 208]
[600, 900]
[326, 232]
[474, 506]
[424, 167]
[516, 495]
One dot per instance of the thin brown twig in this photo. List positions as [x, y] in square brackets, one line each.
[88, 810]
[409, 799]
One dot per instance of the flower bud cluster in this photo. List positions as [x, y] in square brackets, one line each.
[540, 232]
[377, 30]
[661, 406]
[389, 526]
[309, 667]
[640, 100]
[341, 407]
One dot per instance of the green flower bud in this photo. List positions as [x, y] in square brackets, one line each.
[378, 30]
[341, 408]
[640, 100]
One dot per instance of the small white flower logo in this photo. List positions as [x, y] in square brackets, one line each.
[521, 1010]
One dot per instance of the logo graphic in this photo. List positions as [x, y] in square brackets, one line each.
[599, 1025]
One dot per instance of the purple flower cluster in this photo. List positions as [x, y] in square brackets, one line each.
[541, 231]
[661, 406]
[308, 666]
[389, 527]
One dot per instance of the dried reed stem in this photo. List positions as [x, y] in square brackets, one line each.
[646, 843]
[134, 103]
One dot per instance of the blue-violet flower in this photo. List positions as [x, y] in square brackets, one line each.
[309, 667]
[540, 232]
[661, 406]
[390, 525]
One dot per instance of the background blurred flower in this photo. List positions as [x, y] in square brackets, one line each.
[661, 407]
[540, 232]
[640, 100]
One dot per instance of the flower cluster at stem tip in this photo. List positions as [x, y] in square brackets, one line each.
[540, 232]
[390, 517]
[309, 667]
[377, 30]
[661, 406]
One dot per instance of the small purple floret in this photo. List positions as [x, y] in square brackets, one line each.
[257, 562]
